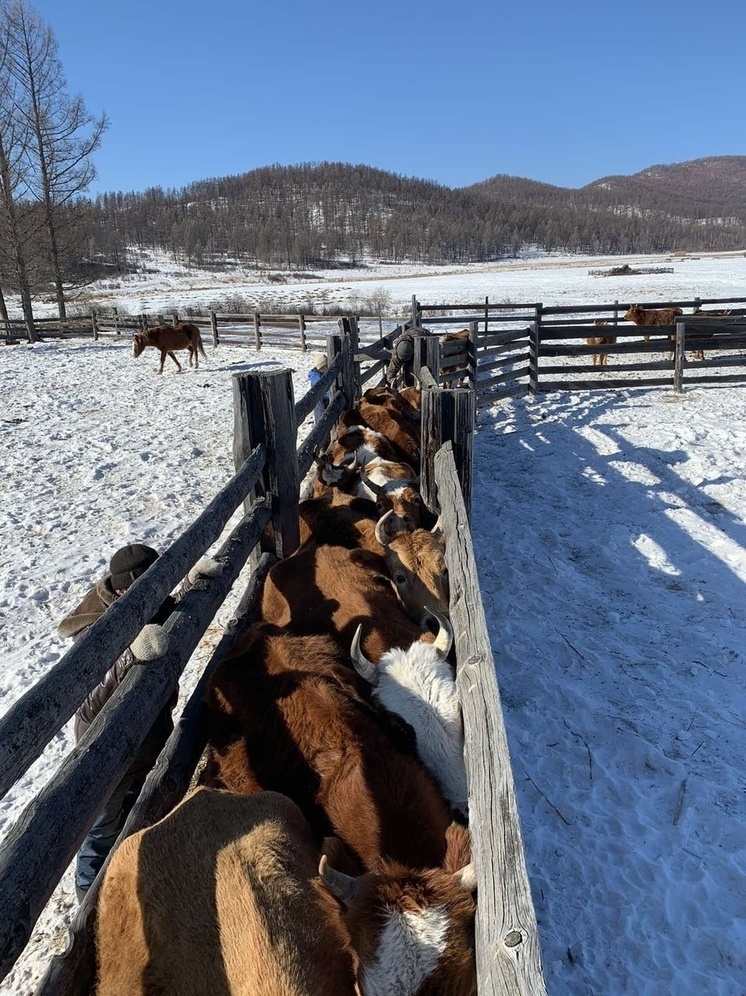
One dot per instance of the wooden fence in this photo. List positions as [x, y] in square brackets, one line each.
[517, 346]
[270, 466]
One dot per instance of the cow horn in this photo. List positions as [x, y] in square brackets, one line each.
[444, 639]
[344, 887]
[466, 878]
[375, 488]
[349, 461]
[365, 668]
[438, 527]
[381, 535]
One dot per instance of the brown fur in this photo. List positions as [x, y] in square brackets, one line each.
[285, 713]
[221, 897]
[458, 374]
[602, 340]
[327, 589]
[338, 519]
[415, 561]
[699, 354]
[167, 338]
[652, 316]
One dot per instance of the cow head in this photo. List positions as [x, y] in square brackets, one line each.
[342, 475]
[399, 496]
[416, 564]
[412, 930]
[371, 673]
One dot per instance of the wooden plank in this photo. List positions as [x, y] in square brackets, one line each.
[316, 439]
[488, 397]
[492, 351]
[37, 716]
[504, 361]
[264, 414]
[501, 338]
[594, 385]
[372, 372]
[502, 378]
[447, 416]
[507, 940]
[73, 972]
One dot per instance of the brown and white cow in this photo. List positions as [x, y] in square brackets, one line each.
[284, 713]
[221, 896]
[416, 563]
[251, 917]
[329, 589]
[423, 940]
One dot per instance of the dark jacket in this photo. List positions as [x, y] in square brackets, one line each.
[403, 357]
[92, 607]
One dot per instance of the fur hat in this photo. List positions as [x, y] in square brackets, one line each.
[129, 563]
[319, 361]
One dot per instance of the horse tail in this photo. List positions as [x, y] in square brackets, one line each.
[200, 347]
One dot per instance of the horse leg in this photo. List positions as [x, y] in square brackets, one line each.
[173, 357]
[193, 356]
[163, 360]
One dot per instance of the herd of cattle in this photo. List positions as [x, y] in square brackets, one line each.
[326, 850]
[649, 317]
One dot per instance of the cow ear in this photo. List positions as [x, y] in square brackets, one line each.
[467, 877]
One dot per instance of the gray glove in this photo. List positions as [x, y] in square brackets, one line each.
[206, 567]
[151, 643]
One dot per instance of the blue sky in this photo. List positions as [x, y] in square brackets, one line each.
[453, 92]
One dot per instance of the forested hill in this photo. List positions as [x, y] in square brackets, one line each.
[312, 215]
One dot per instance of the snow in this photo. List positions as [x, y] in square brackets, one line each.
[610, 530]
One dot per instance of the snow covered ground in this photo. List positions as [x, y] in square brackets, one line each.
[610, 531]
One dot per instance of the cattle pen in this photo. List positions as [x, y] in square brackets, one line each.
[270, 470]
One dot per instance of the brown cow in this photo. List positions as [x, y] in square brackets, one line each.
[602, 340]
[395, 488]
[167, 338]
[460, 374]
[284, 713]
[652, 316]
[221, 896]
[328, 589]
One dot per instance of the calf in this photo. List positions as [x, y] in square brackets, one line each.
[602, 340]
[394, 488]
[284, 713]
[418, 684]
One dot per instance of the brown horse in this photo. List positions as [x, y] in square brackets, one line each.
[167, 338]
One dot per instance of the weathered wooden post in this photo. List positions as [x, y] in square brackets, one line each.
[214, 329]
[264, 412]
[678, 362]
[415, 313]
[174, 318]
[350, 367]
[533, 357]
[302, 329]
[473, 341]
[116, 321]
[335, 346]
[94, 325]
[257, 332]
[447, 416]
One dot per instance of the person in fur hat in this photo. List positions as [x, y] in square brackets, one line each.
[399, 372]
[126, 565]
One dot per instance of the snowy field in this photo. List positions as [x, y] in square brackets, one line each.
[610, 531]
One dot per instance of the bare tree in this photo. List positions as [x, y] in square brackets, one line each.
[15, 235]
[63, 134]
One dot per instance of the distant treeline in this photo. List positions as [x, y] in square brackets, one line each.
[313, 216]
